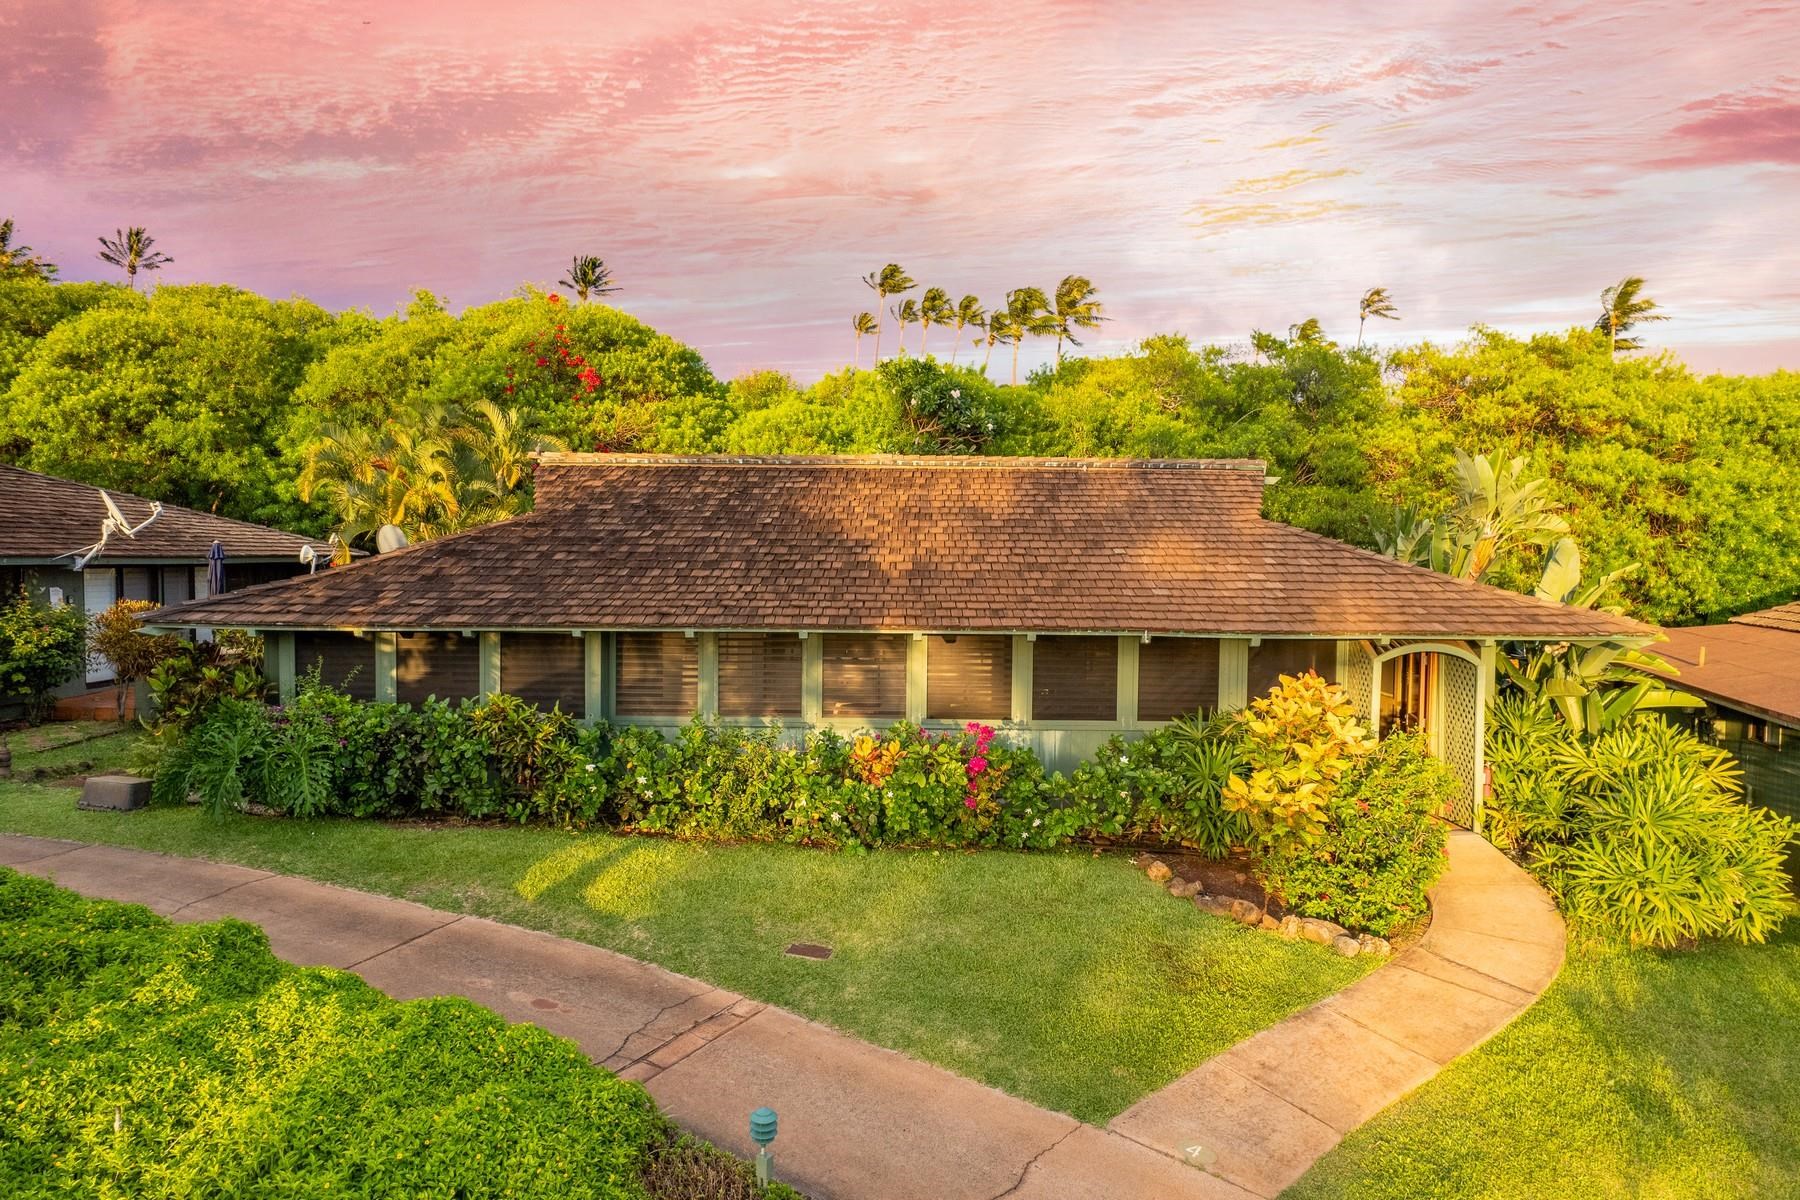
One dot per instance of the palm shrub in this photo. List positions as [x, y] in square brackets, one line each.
[1642, 830]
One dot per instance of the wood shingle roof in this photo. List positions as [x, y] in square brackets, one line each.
[950, 544]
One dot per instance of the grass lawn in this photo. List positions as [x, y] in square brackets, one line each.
[1639, 1074]
[1064, 978]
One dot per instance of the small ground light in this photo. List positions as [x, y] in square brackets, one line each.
[762, 1132]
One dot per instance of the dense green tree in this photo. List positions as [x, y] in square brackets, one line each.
[132, 250]
[31, 306]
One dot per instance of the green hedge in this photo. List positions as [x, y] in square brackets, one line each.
[142, 1058]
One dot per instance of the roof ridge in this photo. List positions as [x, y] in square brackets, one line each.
[988, 461]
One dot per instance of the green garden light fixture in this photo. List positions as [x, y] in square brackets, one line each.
[762, 1132]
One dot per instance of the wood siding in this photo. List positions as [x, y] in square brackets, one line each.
[345, 661]
[968, 678]
[1276, 657]
[1177, 677]
[759, 674]
[545, 669]
[658, 675]
[445, 665]
[1075, 679]
[864, 676]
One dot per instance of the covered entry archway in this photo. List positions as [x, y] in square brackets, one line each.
[1439, 690]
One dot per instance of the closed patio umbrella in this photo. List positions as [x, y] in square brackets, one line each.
[215, 569]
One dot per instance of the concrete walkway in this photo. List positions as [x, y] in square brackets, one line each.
[861, 1122]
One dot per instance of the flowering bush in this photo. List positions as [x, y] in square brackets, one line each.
[40, 650]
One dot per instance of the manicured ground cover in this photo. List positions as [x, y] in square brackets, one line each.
[142, 1058]
[1063, 978]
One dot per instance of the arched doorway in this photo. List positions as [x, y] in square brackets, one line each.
[1435, 689]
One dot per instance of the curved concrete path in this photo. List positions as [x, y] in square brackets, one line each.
[862, 1122]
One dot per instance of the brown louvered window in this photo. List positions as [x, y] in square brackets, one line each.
[759, 674]
[968, 678]
[545, 669]
[1075, 679]
[658, 675]
[1276, 657]
[445, 665]
[865, 676]
[345, 661]
[1177, 677]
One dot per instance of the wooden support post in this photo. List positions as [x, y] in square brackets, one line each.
[1022, 647]
[1234, 673]
[708, 699]
[490, 663]
[595, 668]
[278, 664]
[812, 679]
[1126, 700]
[387, 667]
[915, 679]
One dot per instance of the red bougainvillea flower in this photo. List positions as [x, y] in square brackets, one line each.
[970, 802]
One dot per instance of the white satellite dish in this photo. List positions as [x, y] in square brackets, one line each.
[389, 538]
[309, 558]
[113, 522]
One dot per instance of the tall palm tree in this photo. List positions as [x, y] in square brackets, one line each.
[1027, 315]
[969, 313]
[494, 448]
[999, 329]
[864, 323]
[906, 313]
[1375, 303]
[20, 260]
[403, 474]
[588, 276]
[891, 280]
[1077, 307]
[934, 309]
[1622, 306]
[130, 250]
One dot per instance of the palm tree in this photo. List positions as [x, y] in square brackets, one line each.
[864, 323]
[905, 314]
[130, 249]
[1308, 333]
[1027, 315]
[999, 329]
[1375, 303]
[969, 313]
[20, 260]
[403, 474]
[588, 276]
[494, 448]
[1264, 344]
[1077, 307]
[891, 280]
[1622, 306]
[934, 309]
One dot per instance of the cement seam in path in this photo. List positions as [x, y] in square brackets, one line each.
[404, 942]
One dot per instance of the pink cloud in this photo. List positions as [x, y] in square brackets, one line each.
[1739, 129]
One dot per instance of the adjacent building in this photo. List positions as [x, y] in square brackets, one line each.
[1065, 600]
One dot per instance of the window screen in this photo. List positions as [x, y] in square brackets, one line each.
[759, 674]
[1289, 656]
[968, 678]
[1075, 679]
[1177, 677]
[545, 669]
[865, 676]
[345, 661]
[658, 675]
[445, 665]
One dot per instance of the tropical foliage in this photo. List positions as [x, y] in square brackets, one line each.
[1299, 741]
[117, 636]
[41, 648]
[1641, 828]
[133, 250]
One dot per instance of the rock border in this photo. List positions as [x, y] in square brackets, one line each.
[1256, 916]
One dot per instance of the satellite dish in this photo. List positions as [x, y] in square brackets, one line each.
[389, 537]
[112, 510]
[309, 558]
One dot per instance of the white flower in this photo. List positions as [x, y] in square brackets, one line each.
[1036, 823]
[591, 767]
[836, 817]
[1122, 792]
[643, 779]
[1123, 760]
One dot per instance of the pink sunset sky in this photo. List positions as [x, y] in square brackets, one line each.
[740, 165]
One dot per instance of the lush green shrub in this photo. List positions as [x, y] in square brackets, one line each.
[1641, 829]
[1166, 786]
[1298, 742]
[184, 686]
[1382, 846]
[41, 648]
[150, 1059]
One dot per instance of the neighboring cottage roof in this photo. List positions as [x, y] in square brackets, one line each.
[1751, 663]
[44, 518]
[953, 544]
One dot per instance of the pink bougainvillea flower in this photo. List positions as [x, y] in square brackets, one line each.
[970, 802]
[977, 765]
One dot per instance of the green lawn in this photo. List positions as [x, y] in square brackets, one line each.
[1639, 1074]
[1066, 978]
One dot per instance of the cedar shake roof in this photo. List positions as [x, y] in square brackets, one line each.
[44, 518]
[1751, 663]
[931, 544]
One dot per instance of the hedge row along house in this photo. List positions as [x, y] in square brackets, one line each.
[1063, 600]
